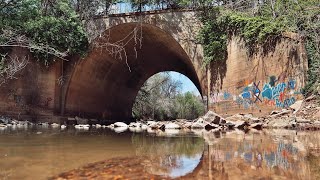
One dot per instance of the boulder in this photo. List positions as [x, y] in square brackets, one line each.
[81, 120]
[248, 116]
[135, 124]
[212, 117]
[256, 125]
[120, 129]
[296, 106]
[317, 115]
[151, 123]
[282, 123]
[240, 124]
[154, 126]
[282, 113]
[120, 124]
[229, 125]
[144, 127]
[317, 123]
[312, 97]
[199, 124]
[172, 126]
[274, 112]
[302, 120]
[235, 117]
[187, 125]
[211, 126]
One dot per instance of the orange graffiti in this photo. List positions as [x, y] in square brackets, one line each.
[243, 83]
[269, 102]
[285, 153]
[281, 97]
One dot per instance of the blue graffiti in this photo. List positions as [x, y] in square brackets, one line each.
[256, 91]
[267, 91]
[291, 84]
[246, 95]
[270, 93]
[246, 103]
[226, 95]
[278, 89]
[286, 103]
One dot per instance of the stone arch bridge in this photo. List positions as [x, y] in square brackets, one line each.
[105, 84]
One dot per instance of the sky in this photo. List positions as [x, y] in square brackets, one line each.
[187, 84]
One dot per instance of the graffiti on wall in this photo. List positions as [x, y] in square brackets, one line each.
[281, 94]
[249, 96]
[275, 93]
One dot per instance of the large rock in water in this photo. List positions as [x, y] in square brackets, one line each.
[235, 117]
[199, 124]
[81, 120]
[120, 124]
[212, 117]
[240, 124]
[172, 126]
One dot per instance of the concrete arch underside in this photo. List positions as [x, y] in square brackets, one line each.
[103, 86]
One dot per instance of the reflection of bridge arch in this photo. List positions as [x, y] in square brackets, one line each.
[103, 85]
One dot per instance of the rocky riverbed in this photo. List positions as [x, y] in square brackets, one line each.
[303, 115]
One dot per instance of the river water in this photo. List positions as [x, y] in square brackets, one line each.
[42, 153]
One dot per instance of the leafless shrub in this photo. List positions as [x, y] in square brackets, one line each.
[11, 66]
[118, 49]
[12, 39]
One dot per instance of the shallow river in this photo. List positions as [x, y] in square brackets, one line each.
[40, 153]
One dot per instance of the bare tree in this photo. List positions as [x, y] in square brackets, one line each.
[10, 66]
[12, 39]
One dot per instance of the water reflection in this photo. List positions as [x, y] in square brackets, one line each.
[39, 153]
[263, 154]
[169, 156]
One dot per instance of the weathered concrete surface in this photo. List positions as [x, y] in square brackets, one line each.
[261, 83]
[33, 91]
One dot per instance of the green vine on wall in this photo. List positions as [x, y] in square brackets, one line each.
[262, 29]
[256, 31]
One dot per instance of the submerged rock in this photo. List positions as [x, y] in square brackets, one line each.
[120, 129]
[120, 124]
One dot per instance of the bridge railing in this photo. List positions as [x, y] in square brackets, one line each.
[128, 8]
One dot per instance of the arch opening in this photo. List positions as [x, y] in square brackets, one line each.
[102, 86]
[168, 96]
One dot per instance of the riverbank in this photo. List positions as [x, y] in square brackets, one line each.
[303, 115]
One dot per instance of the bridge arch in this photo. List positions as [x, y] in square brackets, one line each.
[102, 85]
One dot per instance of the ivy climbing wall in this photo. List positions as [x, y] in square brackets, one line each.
[261, 83]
